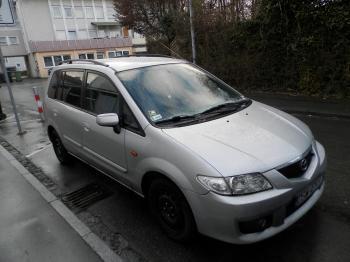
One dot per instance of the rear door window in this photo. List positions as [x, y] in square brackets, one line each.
[72, 87]
[101, 95]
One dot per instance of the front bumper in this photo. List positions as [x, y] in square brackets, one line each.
[221, 217]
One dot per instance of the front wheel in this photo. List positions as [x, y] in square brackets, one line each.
[61, 153]
[171, 209]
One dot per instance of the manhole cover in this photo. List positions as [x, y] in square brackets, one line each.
[85, 196]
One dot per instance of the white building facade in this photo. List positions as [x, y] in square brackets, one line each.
[56, 30]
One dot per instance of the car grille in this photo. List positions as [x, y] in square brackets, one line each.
[298, 168]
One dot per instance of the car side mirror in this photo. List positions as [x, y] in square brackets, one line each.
[111, 120]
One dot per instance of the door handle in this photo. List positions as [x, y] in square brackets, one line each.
[55, 112]
[86, 127]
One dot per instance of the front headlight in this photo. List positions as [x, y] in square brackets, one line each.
[215, 184]
[236, 185]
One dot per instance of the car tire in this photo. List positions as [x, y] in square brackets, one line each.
[61, 153]
[170, 208]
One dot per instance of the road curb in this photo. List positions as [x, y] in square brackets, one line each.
[96, 244]
[313, 113]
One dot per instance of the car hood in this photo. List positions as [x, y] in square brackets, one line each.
[255, 139]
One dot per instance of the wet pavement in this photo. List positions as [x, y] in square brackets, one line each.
[30, 228]
[124, 222]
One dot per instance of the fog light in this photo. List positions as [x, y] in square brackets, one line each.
[255, 226]
[262, 223]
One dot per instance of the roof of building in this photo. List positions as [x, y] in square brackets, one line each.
[66, 45]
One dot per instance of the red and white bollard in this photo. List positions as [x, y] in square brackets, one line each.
[39, 103]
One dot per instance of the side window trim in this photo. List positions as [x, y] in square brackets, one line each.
[61, 83]
[55, 74]
[103, 75]
[140, 130]
[83, 94]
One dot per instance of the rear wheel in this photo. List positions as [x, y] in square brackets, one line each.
[61, 153]
[171, 209]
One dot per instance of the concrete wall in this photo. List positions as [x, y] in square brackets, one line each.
[18, 62]
[15, 30]
[13, 50]
[36, 18]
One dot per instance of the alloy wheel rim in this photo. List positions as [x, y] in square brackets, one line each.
[169, 211]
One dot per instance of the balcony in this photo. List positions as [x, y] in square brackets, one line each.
[84, 44]
[139, 41]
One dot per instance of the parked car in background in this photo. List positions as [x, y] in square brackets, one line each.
[205, 157]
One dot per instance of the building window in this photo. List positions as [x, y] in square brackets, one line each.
[112, 54]
[61, 35]
[93, 33]
[72, 35]
[98, 3]
[100, 55]
[51, 61]
[8, 40]
[101, 33]
[48, 61]
[66, 57]
[3, 40]
[89, 11]
[13, 40]
[57, 59]
[110, 12]
[79, 13]
[99, 12]
[87, 56]
[56, 11]
[68, 13]
[82, 34]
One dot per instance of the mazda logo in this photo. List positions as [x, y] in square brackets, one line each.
[303, 164]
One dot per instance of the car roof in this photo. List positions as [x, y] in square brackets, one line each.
[123, 63]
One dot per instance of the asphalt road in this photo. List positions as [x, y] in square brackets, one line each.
[123, 220]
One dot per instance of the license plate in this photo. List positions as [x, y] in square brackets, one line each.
[304, 195]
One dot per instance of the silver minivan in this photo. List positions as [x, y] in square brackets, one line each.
[206, 158]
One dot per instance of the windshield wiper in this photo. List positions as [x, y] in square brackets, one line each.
[176, 119]
[227, 107]
[221, 108]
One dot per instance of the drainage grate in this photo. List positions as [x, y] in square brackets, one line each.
[83, 197]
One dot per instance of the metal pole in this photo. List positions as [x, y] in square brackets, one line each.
[38, 103]
[2, 115]
[7, 80]
[192, 32]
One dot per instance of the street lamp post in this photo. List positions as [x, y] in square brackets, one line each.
[7, 80]
[6, 20]
[193, 41]
[2, 115]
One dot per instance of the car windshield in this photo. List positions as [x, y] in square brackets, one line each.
[176, 91]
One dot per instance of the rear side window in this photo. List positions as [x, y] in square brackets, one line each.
[54, 85]
[101, 96]
[72, 86]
